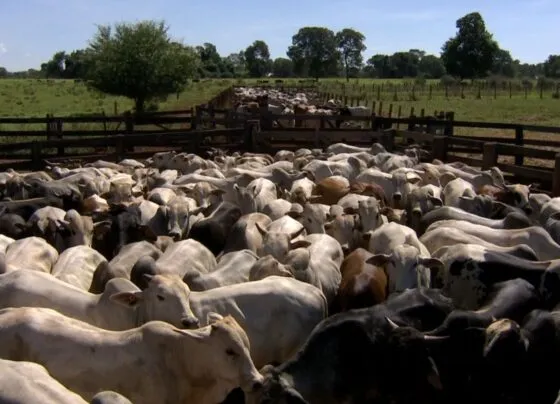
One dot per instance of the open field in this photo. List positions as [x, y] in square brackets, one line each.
[22, 97]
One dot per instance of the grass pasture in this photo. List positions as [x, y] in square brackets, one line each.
[505, 103]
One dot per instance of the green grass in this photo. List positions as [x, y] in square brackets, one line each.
[24, 98]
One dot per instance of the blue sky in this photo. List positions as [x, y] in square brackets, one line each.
[32, 30]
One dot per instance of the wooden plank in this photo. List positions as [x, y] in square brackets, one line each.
[467, 160]
[416, 136]
[512, 150]
[527, 172]
[452, 141]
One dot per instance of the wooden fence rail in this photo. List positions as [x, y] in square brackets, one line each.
[32, 155]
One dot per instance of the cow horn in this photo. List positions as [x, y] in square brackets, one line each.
[434, 338]
[392, 323]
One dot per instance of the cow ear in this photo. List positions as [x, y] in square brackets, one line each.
[148, 233]
[129, 299]
[102, 228]
[379, 260]
[432, 263]
[436, 201]
[294, 214]
[299, 244]
[213, 317]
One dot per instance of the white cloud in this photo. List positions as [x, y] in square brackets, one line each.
[3, 48]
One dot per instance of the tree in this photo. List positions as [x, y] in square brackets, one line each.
[257, 59]
[314, 52]
[282, 67]
[404, 64]
[552, 66]
[350, 44]
[431, 66]
[75, 66]
[471, 53]
[54, 68]
[211, 62]
[503, 64]
[3, 72]
[379, 66]
[139, 61]
[236, 62]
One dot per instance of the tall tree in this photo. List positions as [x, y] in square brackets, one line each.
[75, 66]
[431, 66]
[139, 61]
[54, 68]
[3, 72]
[237, 62]
[503, 64]
[552, 66]
[471, 52]
[210, 60]
[282, 67]
[257, 59]
[314, 52]
[350, 44]
[379, 66]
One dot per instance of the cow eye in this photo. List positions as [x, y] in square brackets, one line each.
[160, 297]
[230, 352]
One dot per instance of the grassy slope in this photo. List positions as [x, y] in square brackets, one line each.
[24, 98]
[66, 97]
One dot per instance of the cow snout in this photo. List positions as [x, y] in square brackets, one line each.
[397, 196]
[190, 322]
[175, 235]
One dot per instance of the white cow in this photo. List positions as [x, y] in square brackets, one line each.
[30, 253]
[277, 313]
[121, 306]
[174, 359]
[23, 382]
[76, 266]
[535, 236]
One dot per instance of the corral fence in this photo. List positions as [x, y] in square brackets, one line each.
[216, 125]
[251, 137]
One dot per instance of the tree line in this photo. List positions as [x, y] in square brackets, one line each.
[141, 61]
[320, 52]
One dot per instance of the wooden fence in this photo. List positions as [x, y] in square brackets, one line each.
[484, 154]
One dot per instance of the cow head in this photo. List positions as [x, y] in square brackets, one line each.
[166, 298]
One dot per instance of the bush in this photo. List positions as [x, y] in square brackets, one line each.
[420, 80]
[496, 81]
[546, 83]
[527, 83]
[448, 80]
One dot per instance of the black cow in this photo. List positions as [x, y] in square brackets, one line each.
[358, 356]
[212, 231]
[119, 228]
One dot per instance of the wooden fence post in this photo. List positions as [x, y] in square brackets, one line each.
[388, 139]
[556, 177]
[449, 118]
[489, 155]
[58, 123]
[129, 127]
[439, 148]
[36, 150]
[119, 148]
[519, 142]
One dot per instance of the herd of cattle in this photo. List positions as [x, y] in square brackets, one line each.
[251, 100]
[344, 275]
